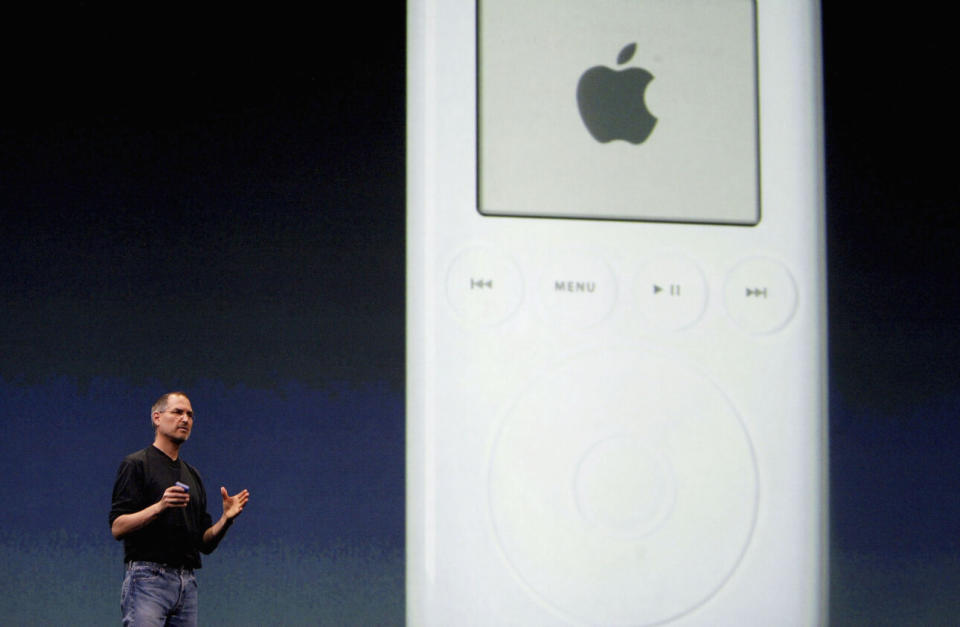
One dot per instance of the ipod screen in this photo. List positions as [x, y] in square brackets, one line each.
[650, 113]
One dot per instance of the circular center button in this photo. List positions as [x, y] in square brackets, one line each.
[624, 487]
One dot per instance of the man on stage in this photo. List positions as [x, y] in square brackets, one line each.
[159, 510]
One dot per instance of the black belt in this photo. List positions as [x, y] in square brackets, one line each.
[170, 567]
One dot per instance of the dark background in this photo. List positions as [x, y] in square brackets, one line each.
[211, 202]
[214, 202]
[894, 298]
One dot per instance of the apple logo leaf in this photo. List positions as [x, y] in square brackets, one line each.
[627, 53]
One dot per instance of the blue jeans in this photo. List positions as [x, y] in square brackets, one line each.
[154, 594]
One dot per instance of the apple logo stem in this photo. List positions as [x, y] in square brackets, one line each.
[611, 102]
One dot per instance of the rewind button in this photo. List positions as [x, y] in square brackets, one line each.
[483, 285]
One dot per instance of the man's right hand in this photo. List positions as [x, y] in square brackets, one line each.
[174, 496]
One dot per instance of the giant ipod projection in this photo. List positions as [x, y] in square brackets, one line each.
[191, 202]
[592, 452]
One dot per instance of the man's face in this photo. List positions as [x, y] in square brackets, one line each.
[176, 421]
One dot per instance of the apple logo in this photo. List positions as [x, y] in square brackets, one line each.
[612, 103]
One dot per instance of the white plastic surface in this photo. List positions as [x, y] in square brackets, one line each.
[521, 413]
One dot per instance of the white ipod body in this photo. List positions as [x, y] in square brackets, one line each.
[616, 351]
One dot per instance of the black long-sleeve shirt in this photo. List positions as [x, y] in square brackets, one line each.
[175, 537]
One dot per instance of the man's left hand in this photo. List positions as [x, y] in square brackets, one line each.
[233, 505]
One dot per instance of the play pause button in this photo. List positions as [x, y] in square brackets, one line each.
[671, 292]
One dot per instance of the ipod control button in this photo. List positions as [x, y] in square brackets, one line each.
[622, 488]
[484, 286]
[577, 290]
[671, 292]
[760, 295]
